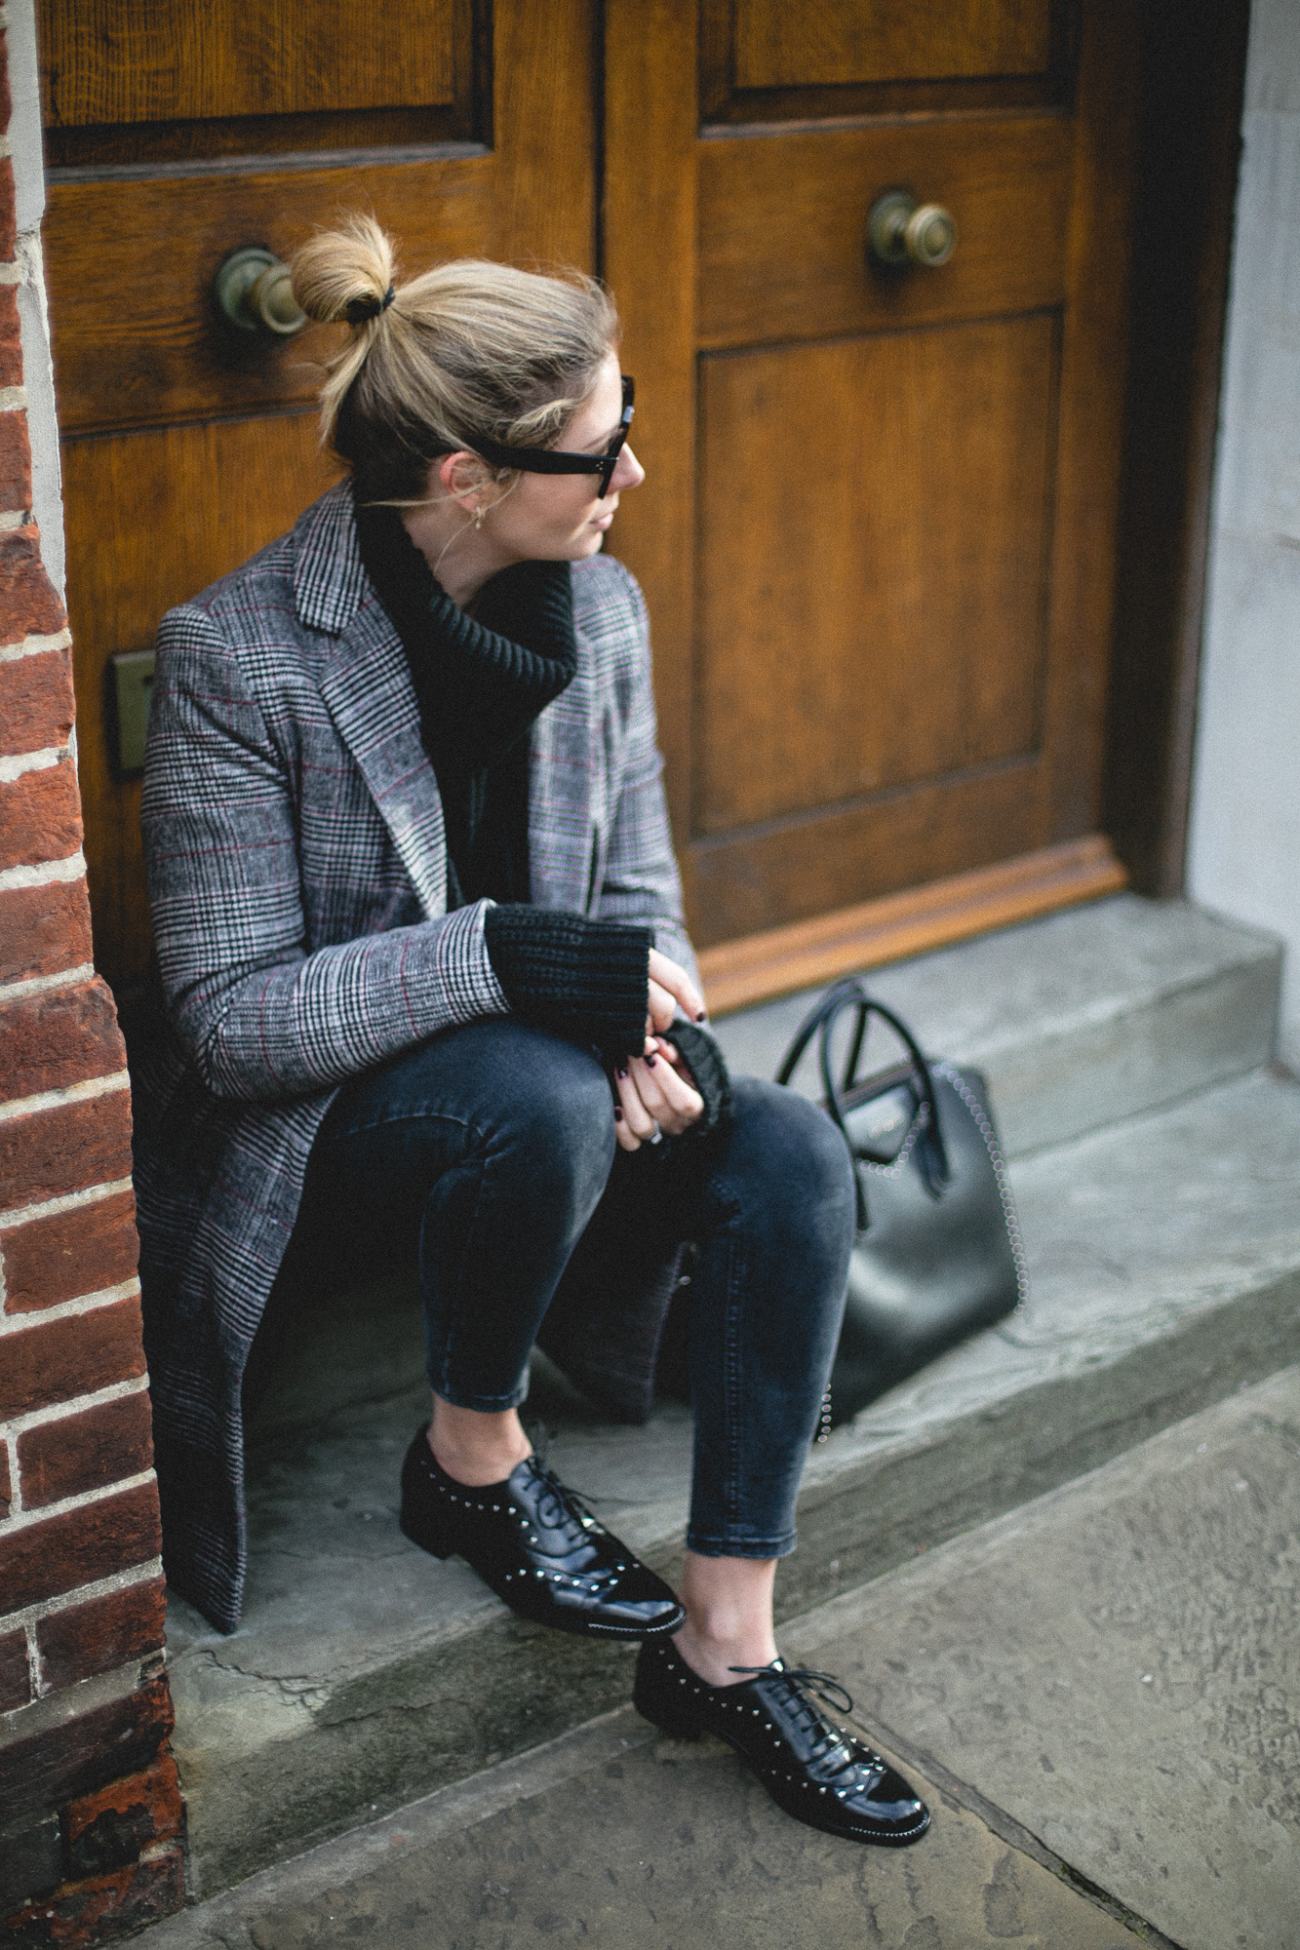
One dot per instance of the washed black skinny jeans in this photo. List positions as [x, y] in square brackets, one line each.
[488, 1150]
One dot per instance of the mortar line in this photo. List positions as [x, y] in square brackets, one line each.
[82, 1594]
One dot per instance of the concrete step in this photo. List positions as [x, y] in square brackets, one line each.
[1079, 1019]
[1165, 1265]
[1097, 1695]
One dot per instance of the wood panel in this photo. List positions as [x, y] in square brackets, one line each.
[837, 507]
[159, 352]
[128, 85]
[769, 876]
[767, 61]
[783, 226]
[780, 43]
[152, 519]
[172, 61]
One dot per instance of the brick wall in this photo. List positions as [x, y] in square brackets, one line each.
[90, 1811]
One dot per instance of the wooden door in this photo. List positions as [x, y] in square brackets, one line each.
[878, 530]
[177, 133]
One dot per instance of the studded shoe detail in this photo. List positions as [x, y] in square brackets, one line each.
[538, 1547]
[812, 1769]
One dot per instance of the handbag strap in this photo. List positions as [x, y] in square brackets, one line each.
[851, 994]
[827, 1006]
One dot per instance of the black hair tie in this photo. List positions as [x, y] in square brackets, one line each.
[358, 310]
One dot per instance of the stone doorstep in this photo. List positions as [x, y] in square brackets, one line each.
[1119, 1006]
[1078, 1019]
[1165, 1260]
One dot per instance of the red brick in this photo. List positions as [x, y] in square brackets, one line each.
[43, 930]
[157, 1788]
[43, 1560]
[59, 1036]
[102, 1633]
[67, 1148]
[29, 602]
[70, 1253]
[31, 1858]
[112, 1827]
[15, 1681]
[75, 1756]
[6, 1492]
[102, 1909]
[36, 704]
[40, 814]
[56, 1360]
[7, 234]
[85, 1451]
[11, 342]
[15, 463]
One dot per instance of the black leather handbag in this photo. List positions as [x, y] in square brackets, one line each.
[938, 1252]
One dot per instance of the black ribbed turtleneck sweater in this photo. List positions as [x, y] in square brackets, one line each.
[480, 680]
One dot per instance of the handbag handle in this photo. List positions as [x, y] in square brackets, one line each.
[850, 993]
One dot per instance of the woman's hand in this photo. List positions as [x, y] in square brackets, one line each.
[651, 1091]
[670, 985]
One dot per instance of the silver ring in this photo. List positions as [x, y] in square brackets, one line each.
[656, 1136]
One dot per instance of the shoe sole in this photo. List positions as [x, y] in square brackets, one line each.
[877, 1838]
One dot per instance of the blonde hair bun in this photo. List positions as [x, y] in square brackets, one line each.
[345, 275]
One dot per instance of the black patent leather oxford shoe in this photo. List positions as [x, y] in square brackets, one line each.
[538, 1548]
[809, 1766]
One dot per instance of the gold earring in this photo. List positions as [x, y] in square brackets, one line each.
[480, 515]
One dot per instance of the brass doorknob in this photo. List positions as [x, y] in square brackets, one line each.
[254, 291]
[902, 231]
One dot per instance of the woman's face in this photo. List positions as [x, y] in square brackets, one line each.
[561, 517]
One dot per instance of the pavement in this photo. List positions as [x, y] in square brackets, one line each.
[1098, 1693]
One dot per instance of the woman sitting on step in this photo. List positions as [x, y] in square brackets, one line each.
[427, 982]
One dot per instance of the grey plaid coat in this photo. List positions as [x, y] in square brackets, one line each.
[296, 861]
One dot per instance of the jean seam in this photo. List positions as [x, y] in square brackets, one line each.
[707, 1545]
[449, 1336]
[732, 1370]
[485, 1404]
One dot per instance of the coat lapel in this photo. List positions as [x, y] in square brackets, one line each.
[367, 690]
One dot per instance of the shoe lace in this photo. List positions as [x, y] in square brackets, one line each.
[562, 1509]
[808, 1717]
[559, 1507]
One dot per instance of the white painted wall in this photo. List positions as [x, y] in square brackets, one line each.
[1244, 857]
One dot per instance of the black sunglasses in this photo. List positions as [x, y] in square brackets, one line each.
[553, 460]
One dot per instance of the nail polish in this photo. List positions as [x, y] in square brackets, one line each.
[653, 1057]
[618, 1113]
[703, 1016]
[623, 1071]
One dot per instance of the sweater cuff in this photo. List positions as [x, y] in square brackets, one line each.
[561, 971]
[706, 1064]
